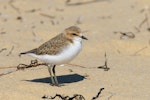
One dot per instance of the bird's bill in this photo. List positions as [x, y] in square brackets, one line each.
[83, 37]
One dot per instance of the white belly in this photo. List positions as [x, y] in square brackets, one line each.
[64, 57]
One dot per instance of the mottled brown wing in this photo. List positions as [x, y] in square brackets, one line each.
[51, 47]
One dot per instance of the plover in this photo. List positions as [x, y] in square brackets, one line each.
[59, 50]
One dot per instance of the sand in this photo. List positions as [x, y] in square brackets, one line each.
[25, 24]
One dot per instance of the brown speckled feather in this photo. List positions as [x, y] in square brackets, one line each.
[51, 47]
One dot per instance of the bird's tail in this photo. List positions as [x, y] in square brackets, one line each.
[31, 51]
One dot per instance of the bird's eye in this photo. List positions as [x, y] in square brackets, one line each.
[74, 34]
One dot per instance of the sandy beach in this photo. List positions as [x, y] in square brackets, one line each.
[118, 33]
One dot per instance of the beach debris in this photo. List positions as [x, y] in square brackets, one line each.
[33, 63]
[19, 18]
[105, 66]
[125, 35]
[74, 97]
[98, 94]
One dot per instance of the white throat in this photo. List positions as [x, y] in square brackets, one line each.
[77, 39]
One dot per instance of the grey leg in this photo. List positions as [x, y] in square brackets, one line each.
[51, 76]
[55, 78]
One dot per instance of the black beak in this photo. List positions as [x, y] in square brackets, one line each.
[83, 37]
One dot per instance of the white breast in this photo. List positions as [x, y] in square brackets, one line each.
[65, 56]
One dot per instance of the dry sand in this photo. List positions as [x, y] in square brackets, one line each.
[24, 25]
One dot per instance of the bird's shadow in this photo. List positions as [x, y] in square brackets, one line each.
[71, 78]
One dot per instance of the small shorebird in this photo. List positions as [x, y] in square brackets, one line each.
[59, 50]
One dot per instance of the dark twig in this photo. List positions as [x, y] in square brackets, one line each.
[14, 7]
[34, 63]
[105, 67]
[74, 97]
[98, 94]
[10, 52]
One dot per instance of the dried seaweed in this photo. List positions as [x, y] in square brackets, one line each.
[74, 97]
[98, 94]
[34, 63]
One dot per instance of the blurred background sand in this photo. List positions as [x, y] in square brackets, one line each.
[25, 24]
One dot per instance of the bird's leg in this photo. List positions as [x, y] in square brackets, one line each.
[50, 72]
[55, 78]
